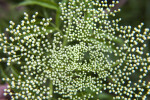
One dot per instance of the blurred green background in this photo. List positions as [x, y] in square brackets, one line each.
[133, 11]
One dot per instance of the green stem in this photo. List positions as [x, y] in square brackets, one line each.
[51, 89]
[65, 41]
[14, 71]
[45, 13]
[58, 18]
[56, 28]
[65, 38]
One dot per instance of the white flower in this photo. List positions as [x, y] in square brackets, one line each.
[92, 53]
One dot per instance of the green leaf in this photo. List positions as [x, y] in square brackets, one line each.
[43, 3]
[3, 72]
[64, 1]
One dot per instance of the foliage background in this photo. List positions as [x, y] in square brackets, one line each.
[133, 13]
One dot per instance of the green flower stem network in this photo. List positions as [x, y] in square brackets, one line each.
[89, 55]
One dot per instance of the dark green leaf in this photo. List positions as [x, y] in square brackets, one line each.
[43, 3]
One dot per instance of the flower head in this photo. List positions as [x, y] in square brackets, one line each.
[91, 53]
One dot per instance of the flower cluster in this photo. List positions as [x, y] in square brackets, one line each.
[91, 53]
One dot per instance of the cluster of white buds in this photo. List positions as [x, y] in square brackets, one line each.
[92, 53]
